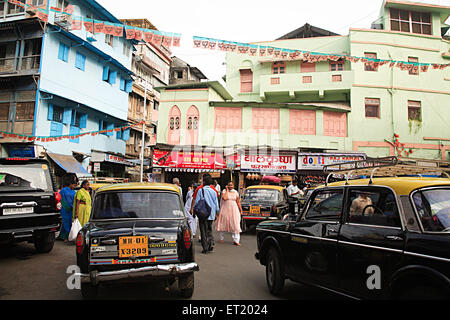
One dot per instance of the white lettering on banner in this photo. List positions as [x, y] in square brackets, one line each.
[270, 163]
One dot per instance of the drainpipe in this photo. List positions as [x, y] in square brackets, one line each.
[391, 92]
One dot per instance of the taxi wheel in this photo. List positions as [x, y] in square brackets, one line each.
[44, 243]
[186, 285]
[88, 291]
[274, 275]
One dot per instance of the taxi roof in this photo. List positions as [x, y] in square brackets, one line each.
[401, 185]
[266, 186]
[140, 186]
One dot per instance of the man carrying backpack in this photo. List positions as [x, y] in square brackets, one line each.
[205, 207]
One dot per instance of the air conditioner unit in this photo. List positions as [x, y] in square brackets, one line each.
[377, 26]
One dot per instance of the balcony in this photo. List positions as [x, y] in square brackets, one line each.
[296, 84]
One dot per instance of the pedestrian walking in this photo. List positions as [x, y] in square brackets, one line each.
[82, 204]
[209, 195]
[176, 182]
[187, 208]
[229, 219]
[217, 186]
[67, 199]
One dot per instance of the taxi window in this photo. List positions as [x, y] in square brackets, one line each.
[433, 207]
[129, 205]
[373, 206]
[326, 205]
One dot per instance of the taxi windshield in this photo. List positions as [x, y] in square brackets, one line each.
[137, 204]
[433, 207]
[263, 195]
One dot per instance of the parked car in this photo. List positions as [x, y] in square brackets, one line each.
[29, 203]
[137, 230]
[263, 202]
[380, 239]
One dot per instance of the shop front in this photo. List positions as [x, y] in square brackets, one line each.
[108, 165]
[254, 167]
[310, 166]
[189, 166]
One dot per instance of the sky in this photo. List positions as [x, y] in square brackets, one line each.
[244, 21]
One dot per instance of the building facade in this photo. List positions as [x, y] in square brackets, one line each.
[75, 81]
[330, 105]
[150, 65]
[181, 72]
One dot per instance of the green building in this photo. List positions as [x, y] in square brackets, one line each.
[329, 103]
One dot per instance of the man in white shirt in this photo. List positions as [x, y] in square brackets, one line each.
[294, 192]
[176, 182]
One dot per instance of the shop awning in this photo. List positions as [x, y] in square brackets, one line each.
[69, 164]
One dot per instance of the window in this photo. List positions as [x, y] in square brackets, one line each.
[37, 3]
[432, 206]
[372, 108]
[373, 206]
[371, 65]
[326, 205]
[279, 67]
[265, 119]
[25, 111]
[58, 113]
[4, 111]
[104, 125]
[410, 21]
[126, 49]
[275, 80]
[334, 124]
[109, 75]
[109, 39]
[308, 67]
[179, 74]
[336, 78]
[336, 66]
[63, 53]
[173, 137]
[79, 119]
[415, 69]
[228, 119]
[246, 80]
[3, 54]
[126, 85]
[80, 61]
[302, 122]
[307, 79]
[414, 110]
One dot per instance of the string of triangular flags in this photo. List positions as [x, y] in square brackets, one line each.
[155, 37]
[31, 138]
[306, 56]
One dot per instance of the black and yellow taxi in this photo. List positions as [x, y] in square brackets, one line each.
[263, 202]
[136, 231]
[380, 238]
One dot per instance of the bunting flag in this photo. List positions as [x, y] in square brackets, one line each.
[88, 24]
[77, 23]
[148, 36]
[312, 57]
[30, 138]
[176, 39]
[157, 38]
[108, 28]
[129, 33]
[55, 9]
[99, 26]
[138, 34]
[68, 9]
[42, 15]
[167, 40]
[117, 30]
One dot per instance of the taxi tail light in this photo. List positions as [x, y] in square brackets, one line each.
[187, 238]
[274, 208]
[58, 201]
[79, 243]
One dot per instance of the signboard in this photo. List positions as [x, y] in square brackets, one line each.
[97, 167]
[192, 159]
[21, 151]
[268, 163]
[116, 159]
[316, 161]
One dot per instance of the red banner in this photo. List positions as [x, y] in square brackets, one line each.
[193, 160]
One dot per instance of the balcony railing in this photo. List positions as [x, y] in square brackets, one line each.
[13, 65]
[297, 83]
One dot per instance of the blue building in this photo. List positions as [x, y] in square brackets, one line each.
[75, 81]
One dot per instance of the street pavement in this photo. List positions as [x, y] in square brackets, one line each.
[227, 273]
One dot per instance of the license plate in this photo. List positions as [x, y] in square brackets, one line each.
[18, 210]
[133, 246]
[255, 210]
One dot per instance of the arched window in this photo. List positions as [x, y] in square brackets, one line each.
[174, 126]
[192, 125]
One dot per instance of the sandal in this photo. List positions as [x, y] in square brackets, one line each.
[236, 244]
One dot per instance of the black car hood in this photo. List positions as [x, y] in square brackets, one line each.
[101, 228]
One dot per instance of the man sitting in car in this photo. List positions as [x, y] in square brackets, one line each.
[358, 205]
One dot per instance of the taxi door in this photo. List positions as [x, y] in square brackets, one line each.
[313, 239]
[371, 242]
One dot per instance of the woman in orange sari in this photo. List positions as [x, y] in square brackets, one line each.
[230, 214]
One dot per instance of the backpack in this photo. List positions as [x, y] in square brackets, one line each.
[201, 209]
